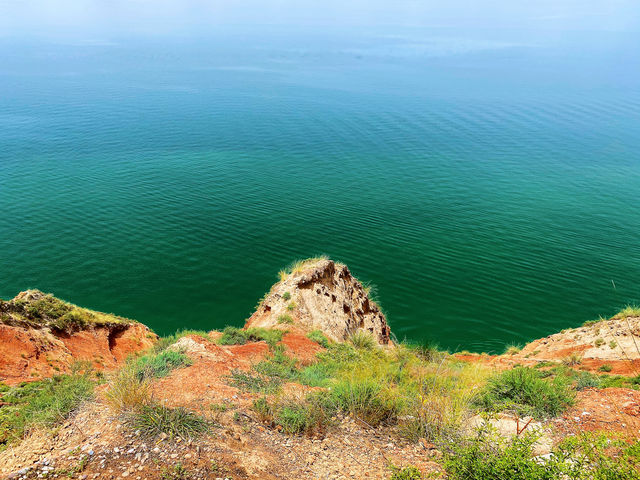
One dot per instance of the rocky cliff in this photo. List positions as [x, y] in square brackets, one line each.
[319, 294]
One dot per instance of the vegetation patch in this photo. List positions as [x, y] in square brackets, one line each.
[318, 337]
[45, 310]
[363, 340]
[254, 383]
[41, 404]
[582, 457]
[284, 318]
[153, 420]
[526, 391]
[299, 266]
[239, 336]
[406, 473]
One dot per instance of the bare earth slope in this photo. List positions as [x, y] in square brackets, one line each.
[41, 336]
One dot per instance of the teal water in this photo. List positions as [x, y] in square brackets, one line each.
[486, 184]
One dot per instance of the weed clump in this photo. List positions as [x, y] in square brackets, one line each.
[527, 392]
[284, 318]
[239, 336]
[363, 340]
[153, 420]
[318, 337]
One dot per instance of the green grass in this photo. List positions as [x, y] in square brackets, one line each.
[363, 340]
[284, 318]
[249, 382]
[153, 420]
[318, 337]
[57, 314]
[239, 336]
[628, 311]
[299, 266]
[158, 365]
[278, 365]
[580, 457]
[311, 415]
[512, 349]
[528, 392]
[605, 368]
[164, 342]
[406, 473]
[41, 404]
[286, 296]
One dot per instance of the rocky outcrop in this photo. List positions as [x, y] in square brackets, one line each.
[41, 336]
[322, 295]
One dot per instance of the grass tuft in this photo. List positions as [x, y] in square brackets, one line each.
[362, 340]
[318, 337]
[153, 420]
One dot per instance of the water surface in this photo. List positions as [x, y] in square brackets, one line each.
[485, 181]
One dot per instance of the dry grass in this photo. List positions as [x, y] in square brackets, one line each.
[299, 266]
[128, 390]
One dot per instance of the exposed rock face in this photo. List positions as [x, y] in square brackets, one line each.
[322, 295]
[41, 336]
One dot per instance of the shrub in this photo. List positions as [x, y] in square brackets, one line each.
[487, 457]
[599, 342]
[284, 318]
[524, 390]
[153, 420]
[587, 380]
[292, 306]
[41, 403]
[363, 340]
[605, 368]
[612, 344]
[406, 473]
[286, 296]
[572, 360]
[310, 415]
[318, 337]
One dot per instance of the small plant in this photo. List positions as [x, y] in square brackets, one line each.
[318, 337]
[572, 360]
[629, 311]
[612, 344]
[366, 399]
[512, 349]
[406, 473]
[599, 342]
[176, 473]
[587, 380]
[292, 306]
[152, 420]
[238, 336]
[590, 323]
[286, 296]
[160, 364]
[284, 318]
[362, 340]
[128, 390]
[605, 368]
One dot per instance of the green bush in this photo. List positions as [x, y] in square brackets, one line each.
[318, 337]
[524, 390]
[42, 403]
[286, 295]
[406, 473]
[153, 420]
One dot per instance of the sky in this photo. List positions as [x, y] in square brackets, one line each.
[149, 17]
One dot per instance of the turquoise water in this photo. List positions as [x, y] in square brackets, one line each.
[486, 184]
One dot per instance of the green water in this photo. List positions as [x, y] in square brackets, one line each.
[488, 191]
